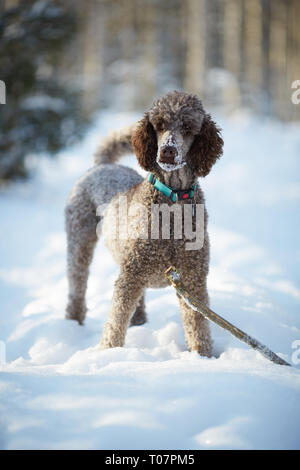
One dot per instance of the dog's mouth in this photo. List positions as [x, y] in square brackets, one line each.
[170, 166]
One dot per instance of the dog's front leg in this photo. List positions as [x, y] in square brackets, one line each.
[196, 327]
[197, 330]
[127, 293]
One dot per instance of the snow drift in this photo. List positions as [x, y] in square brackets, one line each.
[59, 392]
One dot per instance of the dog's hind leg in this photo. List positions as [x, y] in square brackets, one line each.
[81, 225]
[139, 317]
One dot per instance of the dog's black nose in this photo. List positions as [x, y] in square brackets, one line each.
[168, 154]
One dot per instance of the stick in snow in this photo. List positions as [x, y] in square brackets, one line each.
[174, 278]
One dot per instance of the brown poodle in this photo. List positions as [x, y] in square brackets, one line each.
[148, 224]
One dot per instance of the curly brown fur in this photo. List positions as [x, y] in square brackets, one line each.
[144, 144]
[178, 141]
[206, 148]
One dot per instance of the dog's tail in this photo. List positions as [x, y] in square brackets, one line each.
[115, 145]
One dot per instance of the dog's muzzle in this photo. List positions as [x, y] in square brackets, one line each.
[169, 155]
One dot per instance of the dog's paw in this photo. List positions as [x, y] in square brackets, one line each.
[101, 346]
[71, 317]
[76, 312]
[138, 320]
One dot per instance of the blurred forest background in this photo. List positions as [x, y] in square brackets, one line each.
[63, 61]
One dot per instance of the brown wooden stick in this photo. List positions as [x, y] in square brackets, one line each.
[175, 280]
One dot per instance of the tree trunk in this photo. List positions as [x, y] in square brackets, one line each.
[195, 57]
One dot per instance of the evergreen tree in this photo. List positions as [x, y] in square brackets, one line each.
[41, 111]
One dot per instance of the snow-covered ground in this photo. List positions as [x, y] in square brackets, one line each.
[59, 392]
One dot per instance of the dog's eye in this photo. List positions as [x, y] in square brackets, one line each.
[187, 130]
[160, 126]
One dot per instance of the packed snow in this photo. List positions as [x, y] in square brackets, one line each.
[58, 391]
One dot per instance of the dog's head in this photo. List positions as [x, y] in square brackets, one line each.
[177, 132]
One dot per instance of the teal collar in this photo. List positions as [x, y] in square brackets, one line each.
[174, 194]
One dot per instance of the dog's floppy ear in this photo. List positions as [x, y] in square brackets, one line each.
[207, 147]
[144, 144]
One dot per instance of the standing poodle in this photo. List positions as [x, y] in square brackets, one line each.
[176, 142]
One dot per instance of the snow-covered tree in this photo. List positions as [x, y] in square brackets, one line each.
[41, 110]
